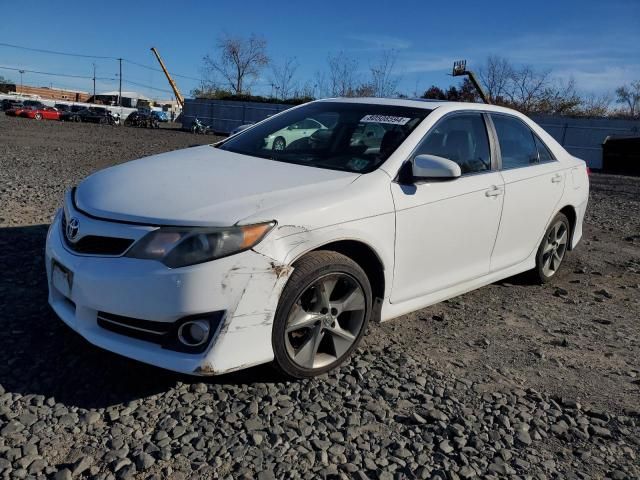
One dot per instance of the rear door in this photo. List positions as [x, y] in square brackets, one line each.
[533, 185]
[445, 230]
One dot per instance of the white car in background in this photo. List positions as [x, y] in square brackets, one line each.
[300, 130]
[220, 257]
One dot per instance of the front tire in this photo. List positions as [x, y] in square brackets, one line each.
[38, 116]
[322, 315]
[279, 144]
[552, 249]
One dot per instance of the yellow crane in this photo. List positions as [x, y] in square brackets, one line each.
[176, 92]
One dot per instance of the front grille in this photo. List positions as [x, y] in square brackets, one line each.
[95, 244]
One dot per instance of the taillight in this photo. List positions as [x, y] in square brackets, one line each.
[588, 172]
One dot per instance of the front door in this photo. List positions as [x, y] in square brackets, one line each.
[446, 230]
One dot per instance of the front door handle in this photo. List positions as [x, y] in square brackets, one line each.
[493, 192]
[557, 178]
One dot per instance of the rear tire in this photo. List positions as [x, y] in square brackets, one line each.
[322, 314]
[552, 249]
[38, 116]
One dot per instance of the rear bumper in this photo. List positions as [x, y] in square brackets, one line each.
[577, 231]
[245, 287]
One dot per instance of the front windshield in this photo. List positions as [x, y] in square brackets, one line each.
[353, 137]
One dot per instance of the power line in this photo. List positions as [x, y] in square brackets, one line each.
[146, 86]
[54, 52]
[68, 75]
[68, 54]
[148, 67]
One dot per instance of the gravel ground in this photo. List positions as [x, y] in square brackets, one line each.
[513, 380]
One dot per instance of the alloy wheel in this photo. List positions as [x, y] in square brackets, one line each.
[325, 321]
[555, 247]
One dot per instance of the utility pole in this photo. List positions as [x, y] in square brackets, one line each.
[21, 87]
[120, 89]
[94, 83]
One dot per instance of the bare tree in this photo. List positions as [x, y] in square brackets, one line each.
[282, 77]
[342, 80]
[595, 105]
[496, 76]
[238, 62]
[383, 80]
[558, 98]
[629, 95]
[527, 87]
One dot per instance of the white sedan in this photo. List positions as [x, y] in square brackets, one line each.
[283, 138]
[220, 257]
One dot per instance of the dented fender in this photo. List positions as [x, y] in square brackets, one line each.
[244, 337]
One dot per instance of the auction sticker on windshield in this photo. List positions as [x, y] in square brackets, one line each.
[390, 119]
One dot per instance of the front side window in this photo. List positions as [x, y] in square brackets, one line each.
[517, 142]
[461, 138]
[353, 137]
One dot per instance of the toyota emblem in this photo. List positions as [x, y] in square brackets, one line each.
[73, 228]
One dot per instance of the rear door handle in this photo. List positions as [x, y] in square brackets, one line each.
[557, 178]
[493, 192]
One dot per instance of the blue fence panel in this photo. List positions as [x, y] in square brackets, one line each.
[225, 115]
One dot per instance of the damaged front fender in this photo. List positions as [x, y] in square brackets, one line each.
[244, 338]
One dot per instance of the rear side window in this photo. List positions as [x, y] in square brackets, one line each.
[544, 155]
[461, 138]
[517, 142]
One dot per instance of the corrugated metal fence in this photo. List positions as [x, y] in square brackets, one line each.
[225, 115]
[582, 137]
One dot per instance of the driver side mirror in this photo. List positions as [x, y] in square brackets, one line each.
[432, 166]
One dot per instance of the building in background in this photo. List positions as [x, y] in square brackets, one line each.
[46, 93]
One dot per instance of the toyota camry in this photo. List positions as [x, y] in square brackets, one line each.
[216, 258]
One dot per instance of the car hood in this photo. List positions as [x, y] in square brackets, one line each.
[201, 186]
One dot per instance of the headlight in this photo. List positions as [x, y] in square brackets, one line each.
[182, 246]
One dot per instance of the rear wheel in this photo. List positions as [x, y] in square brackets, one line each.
[38, 116]
[322, 315]
[552, 249]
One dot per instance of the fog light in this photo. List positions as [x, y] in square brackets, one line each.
[194, 333]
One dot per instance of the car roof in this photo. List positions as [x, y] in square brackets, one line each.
[427, 104]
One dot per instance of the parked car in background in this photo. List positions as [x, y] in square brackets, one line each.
[45, 113]
[10, 104]
[141, 118]
[18, 111]
[160, 116]
[297, 131]
[215, 258]
[72, 113]
[98, 115]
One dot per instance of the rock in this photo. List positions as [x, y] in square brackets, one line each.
[90, 418]
[144, 461]
[445, 447]
[82, 465]
[64, 474]
[524, 438]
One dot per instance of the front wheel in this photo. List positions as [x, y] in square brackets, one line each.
[552, 249]
[322, 315]
[38, 116]
[279, 144]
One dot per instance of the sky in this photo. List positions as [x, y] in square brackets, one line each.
[595, 42]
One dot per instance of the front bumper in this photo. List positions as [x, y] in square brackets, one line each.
[246, 287]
